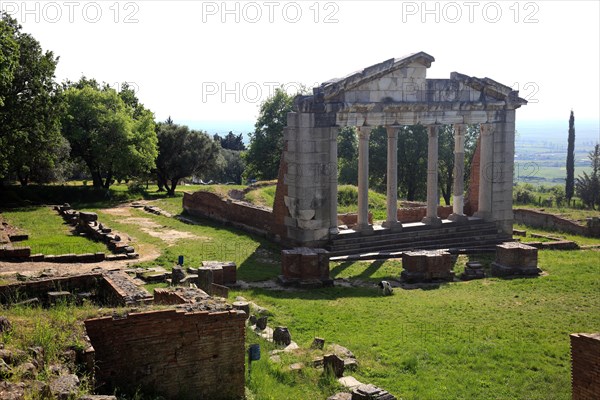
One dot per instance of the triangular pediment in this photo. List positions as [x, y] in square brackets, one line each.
[358, 79]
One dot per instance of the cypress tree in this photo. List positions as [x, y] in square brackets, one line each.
[570, 182]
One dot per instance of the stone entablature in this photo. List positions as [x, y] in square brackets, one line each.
[393, 93]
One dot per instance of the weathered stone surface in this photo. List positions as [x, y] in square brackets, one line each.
[64, 386]
[317, 343]
[282, 336]
[242, 305]
[333, 364]
[585, 365]
[427, 265]
[261, 323]
[12, 391]
[515, 258]
[5, 325]
[177, 274]
[88, 216]
[303, 265]
[371, 392]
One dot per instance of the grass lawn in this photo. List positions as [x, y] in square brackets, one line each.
[48, 234]
[484, 339]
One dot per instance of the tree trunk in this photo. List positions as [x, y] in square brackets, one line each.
[161, 182]
[108, 180]
[23, 178]
[171, 189]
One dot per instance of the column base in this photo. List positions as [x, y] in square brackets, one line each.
[485, 215]
[432, 221]
[365, 229]
[458, 218]
[334, 230]
[395, 226]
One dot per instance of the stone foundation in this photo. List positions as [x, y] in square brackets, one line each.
[585, 364]
[171, 353]
[305, 266]
[514, 258]
[426, 266]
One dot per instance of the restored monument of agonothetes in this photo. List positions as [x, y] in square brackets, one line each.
[392, 94]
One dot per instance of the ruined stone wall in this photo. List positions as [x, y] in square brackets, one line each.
[25, 290]
[239, 214]
[172, 353]
[539, 219]
[416, 214]
[585, 364]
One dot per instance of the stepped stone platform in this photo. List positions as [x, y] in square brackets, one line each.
[475, 234]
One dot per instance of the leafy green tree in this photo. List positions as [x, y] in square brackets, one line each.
[115, 139]
[30, 104]
[266, 142]
[446, 157]
[231, 141]
[228, 167]
[182, 153]
[347, 156]
[412, 162]
[570, 182]
[9, 53]
[588, 186]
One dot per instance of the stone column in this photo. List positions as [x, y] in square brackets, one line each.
[458, 214]
[391, 221]
[486, 171]
[363, 180]
[431, 217]
[333, 182]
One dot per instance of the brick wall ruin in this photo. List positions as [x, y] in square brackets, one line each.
[240, 214]
[538, 219]
[585, 362]
[172, 353]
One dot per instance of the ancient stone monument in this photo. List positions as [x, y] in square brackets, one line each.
[515, 258]
[392, 94]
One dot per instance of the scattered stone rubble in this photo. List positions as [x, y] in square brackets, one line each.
[86, 223]
[334, 359]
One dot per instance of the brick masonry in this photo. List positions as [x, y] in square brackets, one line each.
[585, 366]
[175, 354]
[538, 219]
[240, 214]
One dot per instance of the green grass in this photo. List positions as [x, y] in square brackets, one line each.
[484, 339]
[256, 258]
[574, 214]
[580, 240]
[48, 234]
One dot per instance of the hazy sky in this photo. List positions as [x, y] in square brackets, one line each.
[204, 60]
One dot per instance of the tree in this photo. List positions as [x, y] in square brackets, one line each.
[446, 157]
[570, 182]
[231, 141]
[347, 156]
[266, 143]
[588, 186]
[446, 161]
[228, 167]
[412, 162]
[30, 104]
[182, 153]
[115, 139]
[9, 53]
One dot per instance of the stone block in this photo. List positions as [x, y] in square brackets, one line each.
[333, 364]
[427, 266]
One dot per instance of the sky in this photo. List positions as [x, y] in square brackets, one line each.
[214, 62]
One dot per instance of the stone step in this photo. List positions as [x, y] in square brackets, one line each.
[409, 238]
[461, 243]
[411, 231]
